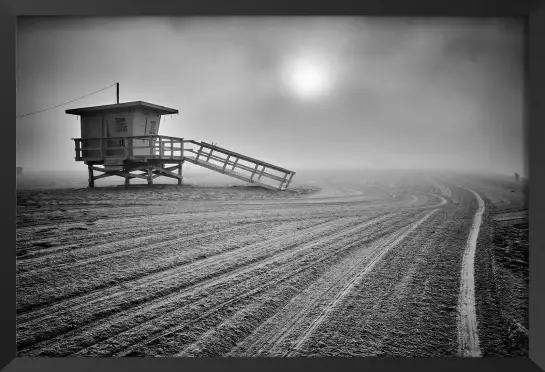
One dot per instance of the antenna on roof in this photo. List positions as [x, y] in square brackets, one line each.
[117, 92]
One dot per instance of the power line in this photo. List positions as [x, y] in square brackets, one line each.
[65, 103]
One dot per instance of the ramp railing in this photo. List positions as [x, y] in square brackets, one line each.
[238, 166]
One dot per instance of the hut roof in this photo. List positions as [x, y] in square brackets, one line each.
[135, 104]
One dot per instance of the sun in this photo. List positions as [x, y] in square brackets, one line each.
[308, 78]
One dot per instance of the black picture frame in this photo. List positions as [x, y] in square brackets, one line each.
[532, 11]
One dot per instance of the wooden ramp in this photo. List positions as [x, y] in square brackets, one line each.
[238, 166]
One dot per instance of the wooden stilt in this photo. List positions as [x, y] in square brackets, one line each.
[127, 181]
[180, 173]
[91, 179]
[150, 179]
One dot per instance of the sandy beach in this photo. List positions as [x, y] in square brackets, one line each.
[358, 265]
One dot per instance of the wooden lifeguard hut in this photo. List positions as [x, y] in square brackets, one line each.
[123, 138]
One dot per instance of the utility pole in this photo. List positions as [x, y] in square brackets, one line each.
[117, 84]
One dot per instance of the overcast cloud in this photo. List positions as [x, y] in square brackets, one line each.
[405, 93]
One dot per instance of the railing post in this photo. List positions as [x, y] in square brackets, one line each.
[171, 149]
[253, 173]
[198, 154]
[210, 154]
[181, 163]
[289, 181]
[234, 164]
[161, 147]
[151, 146]
[261, 173]
[284, 180]
[226, 162]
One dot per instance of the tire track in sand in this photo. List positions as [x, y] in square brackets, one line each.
[350, 286]
[345, 226]
[86, 243]
[138, 248]
[285, 323]
[468, 335]
[391, 233]
[232, 300]
[27, 311]
[104, 294]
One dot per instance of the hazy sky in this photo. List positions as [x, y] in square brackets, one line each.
[301, 92]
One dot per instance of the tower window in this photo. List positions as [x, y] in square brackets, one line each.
[120, 125]
[152, 127]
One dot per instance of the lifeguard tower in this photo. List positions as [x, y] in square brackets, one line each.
[124, 139]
